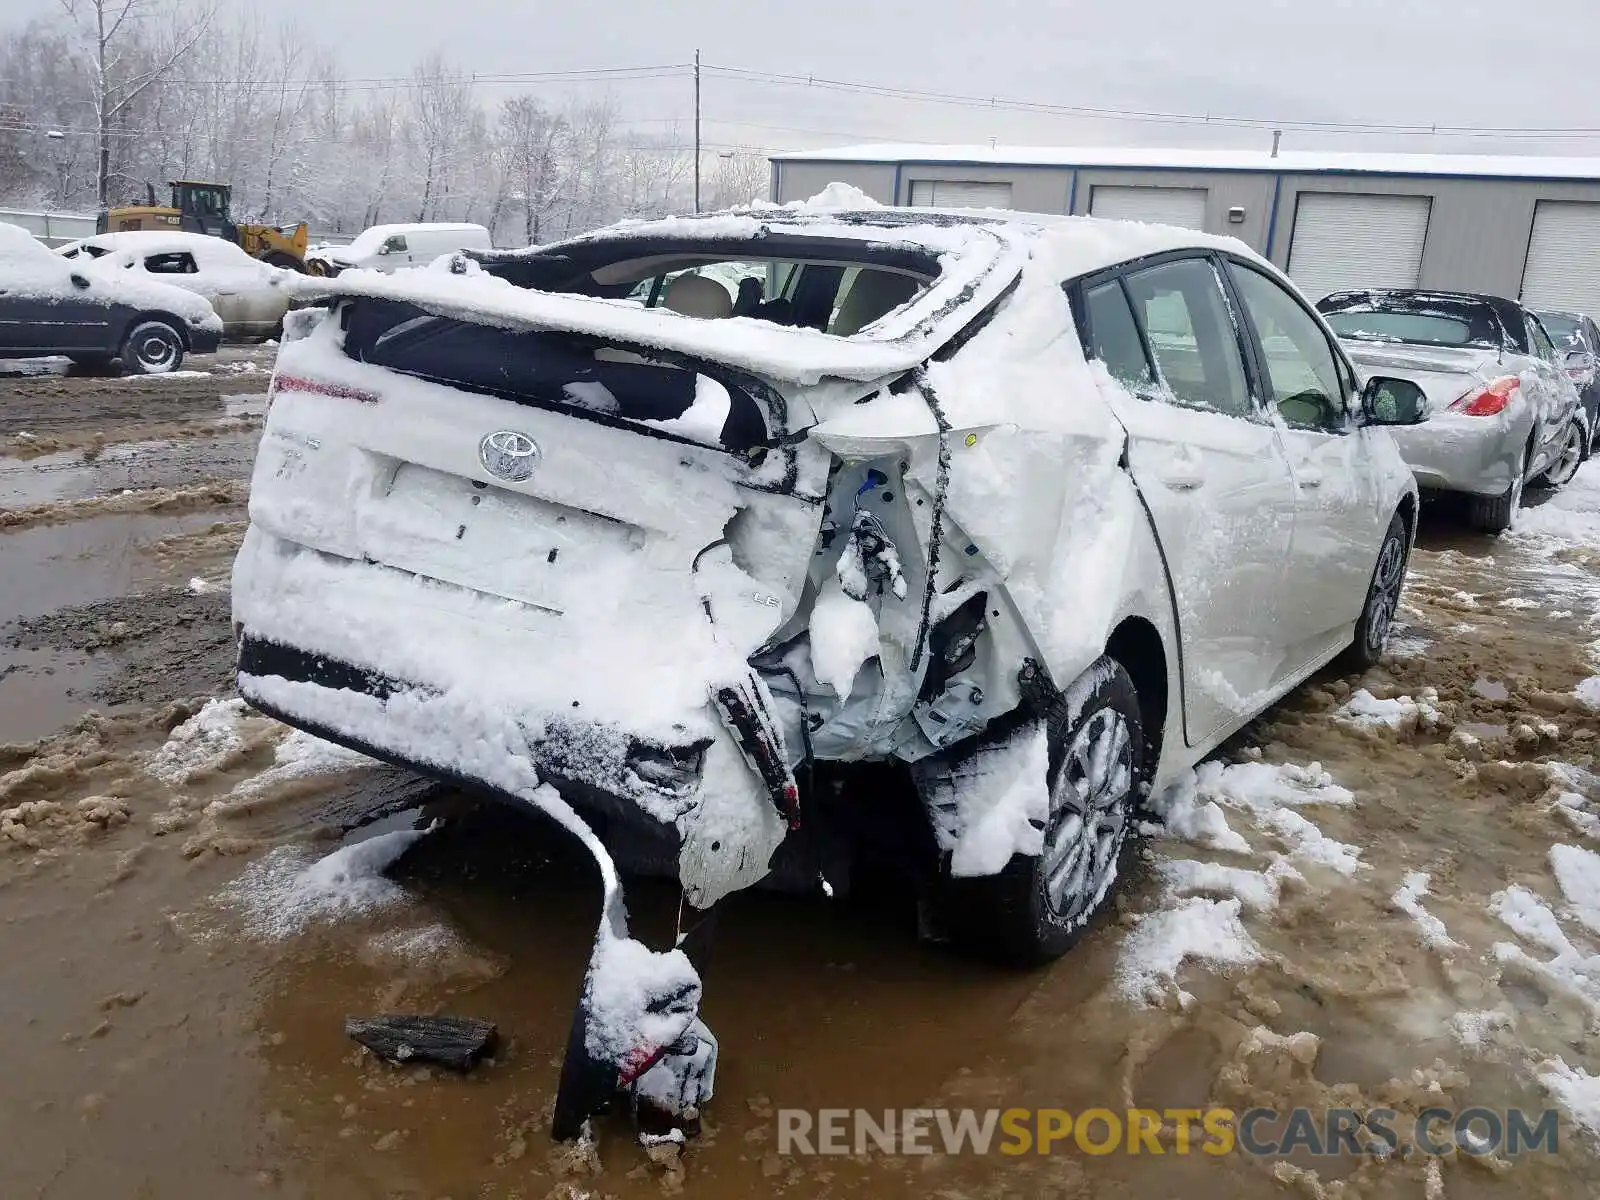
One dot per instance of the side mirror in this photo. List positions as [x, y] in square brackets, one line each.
[78, 281]
[384, 249]
[1580, 364]
[1388, 401]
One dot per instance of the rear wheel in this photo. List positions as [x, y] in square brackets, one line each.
[1569, 457]
[152, 348]
[1383, 598]
[1495, 514]
[1039, 906]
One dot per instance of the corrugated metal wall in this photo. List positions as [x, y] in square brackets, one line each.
[1478, 230]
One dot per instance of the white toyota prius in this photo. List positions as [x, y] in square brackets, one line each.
[656, 529]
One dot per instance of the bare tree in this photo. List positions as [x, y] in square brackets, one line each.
[738, 178]
[117, 76]
[532, 137]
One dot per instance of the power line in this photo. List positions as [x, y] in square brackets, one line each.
[996, 103]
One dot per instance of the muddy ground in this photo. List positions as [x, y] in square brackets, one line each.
[173, 998]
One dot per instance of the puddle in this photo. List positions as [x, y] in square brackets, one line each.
[65, 476]
[1490, 689]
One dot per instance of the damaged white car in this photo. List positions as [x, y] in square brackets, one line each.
[645, 528]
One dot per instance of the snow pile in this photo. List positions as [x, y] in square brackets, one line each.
[302, 756]
[1408, 899]
[842, 196]
[1576, 1091]
[1194, 930]
[1569, 971]
[281, 894]
[200, 743]
[1402, 713]
[1269, 795]
[1257, 891]
[844, 635]
[1000, 800]
[1476, 1029]
[1588, 691]
[1577, 873]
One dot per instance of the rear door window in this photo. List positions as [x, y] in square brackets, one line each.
[1542, 346]
[177, 263]
[1192, 337]
[1114, 336]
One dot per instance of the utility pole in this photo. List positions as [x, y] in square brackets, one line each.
[1277, 137]
[697, 131]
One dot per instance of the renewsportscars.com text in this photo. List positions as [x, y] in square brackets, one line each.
[1260, 1132]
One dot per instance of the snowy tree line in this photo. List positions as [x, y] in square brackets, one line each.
[113, 95]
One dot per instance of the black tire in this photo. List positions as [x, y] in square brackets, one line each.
[1569, 457]
[1494, 514]
[1383, 597]
[1016, 916]
[152, 348]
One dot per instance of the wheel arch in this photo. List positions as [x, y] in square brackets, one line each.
[176, 324]
[1136, 644]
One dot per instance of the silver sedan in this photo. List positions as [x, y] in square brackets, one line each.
[1502, 411]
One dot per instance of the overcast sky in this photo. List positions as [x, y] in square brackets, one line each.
[1450, 62]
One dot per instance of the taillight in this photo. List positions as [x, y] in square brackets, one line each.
[1489, 400]
[316, 387]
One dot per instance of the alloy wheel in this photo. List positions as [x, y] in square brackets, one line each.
[1088, 814]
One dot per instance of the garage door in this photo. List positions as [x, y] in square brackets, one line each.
[1563, 268]
[1184, 207]
[1345, 241]
[956, 193]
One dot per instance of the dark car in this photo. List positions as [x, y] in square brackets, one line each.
[1577, 333]
[48, 307]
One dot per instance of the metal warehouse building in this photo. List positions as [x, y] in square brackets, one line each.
[1519, 227]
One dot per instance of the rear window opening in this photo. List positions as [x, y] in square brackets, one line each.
[563, 371]
[831, 286]
[1431, 321]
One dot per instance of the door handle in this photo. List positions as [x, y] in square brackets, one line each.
[1181, 476]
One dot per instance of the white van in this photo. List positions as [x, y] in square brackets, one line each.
[391, 247]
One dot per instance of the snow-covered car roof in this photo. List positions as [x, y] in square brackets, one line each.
[30, 269]
[972, 258]
[156, 241]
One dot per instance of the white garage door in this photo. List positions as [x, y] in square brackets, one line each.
[1563, 268]
[956, 193]
[1184, 207]
[1343, 241]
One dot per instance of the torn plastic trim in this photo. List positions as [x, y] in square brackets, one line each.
[748, 716]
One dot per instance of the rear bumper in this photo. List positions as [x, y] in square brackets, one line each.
[1454, 453]
[590, 764]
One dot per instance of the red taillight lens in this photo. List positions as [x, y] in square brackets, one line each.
[1488, 401]
[316, 387]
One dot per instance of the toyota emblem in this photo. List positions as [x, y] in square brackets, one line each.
[509, 455]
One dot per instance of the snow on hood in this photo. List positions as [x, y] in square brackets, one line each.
[31, 271]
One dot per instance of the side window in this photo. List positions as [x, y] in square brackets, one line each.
[171, 264]
[396, 243]
[1302, 369]
[1192, 336]
[1114, 337]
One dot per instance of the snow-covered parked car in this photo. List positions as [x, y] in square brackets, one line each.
[53, 306]
[1042, 508]
[249, 295]
[1502, 411]
[393, 247]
